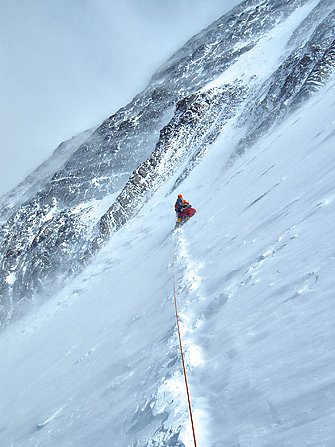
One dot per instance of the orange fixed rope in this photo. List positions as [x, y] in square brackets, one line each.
[183, 362]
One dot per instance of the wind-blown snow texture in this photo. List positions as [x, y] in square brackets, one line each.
[227, 121]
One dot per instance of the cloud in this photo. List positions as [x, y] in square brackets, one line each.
[67, 65]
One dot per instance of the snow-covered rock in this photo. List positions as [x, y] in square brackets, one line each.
[241, 121]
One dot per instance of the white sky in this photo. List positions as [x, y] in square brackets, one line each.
[66, 65]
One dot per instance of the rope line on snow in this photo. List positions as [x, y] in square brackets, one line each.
[182, 359]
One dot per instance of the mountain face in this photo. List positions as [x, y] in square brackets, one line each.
[67, 217]
[241, 121]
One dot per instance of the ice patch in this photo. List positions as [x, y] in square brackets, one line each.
[49, 419]
[10, 279]
[195, 356]
[328, 200]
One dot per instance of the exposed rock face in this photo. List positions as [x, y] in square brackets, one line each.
[194, 125]
[56, 220]
[10, 202]
[300, 75]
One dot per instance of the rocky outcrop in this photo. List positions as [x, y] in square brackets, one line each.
[196, 122]
[10, 202]
[303, 72]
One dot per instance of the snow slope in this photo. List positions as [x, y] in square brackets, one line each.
[253, 65]
[98, 365]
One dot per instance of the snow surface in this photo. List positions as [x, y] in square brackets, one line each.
[99, 365]
[265, 57]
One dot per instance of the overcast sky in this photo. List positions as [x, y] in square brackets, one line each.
[65, 65]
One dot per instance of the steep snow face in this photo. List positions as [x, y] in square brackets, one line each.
[227, 122]
[99, 363]
[268, 249]
[252, 66]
